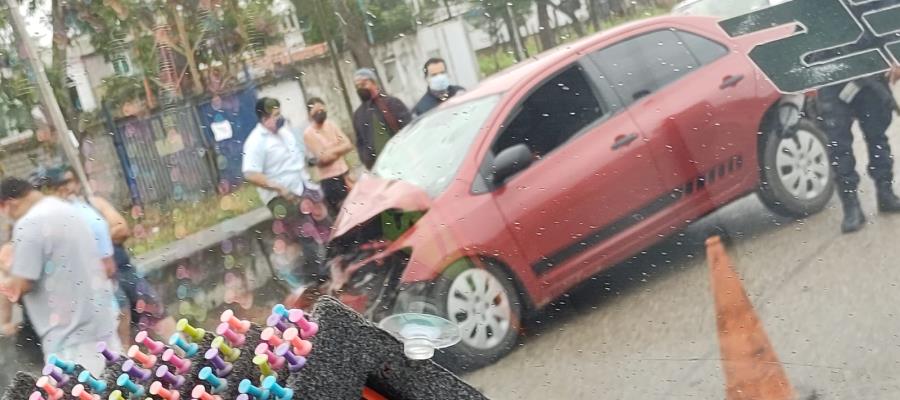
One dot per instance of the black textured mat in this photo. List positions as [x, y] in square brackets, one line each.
[348, 354]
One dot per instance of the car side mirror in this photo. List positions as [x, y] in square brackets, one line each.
[511, 161]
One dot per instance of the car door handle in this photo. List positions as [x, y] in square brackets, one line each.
[624, 140]
[731, 81]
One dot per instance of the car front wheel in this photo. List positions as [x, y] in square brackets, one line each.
[486, 305]
[796, 176]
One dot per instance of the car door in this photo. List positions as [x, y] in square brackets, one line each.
[590, 175]
[694, 103]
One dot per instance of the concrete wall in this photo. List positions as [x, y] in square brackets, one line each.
[20, 161]
[103, 168]
[320, 80]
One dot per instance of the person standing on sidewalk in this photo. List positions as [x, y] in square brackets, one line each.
[377, 119]
[142, 307]
[68, 299]
[328, 145]
[274, 162]
[439, 87]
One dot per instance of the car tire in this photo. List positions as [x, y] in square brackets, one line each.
[493, 329]
[796, 178]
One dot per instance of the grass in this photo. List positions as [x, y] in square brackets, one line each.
[493, 60]
[160, 224]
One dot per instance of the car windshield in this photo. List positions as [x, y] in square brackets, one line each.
[721, 8]
[429, 152]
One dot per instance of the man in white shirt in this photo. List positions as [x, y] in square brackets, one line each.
[274, 162]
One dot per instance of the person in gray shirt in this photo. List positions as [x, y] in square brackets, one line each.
[56, 273]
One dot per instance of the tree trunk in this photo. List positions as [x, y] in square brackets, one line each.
[188, 52]
[545, 32]
[355, 33]
[569, 8]
[617, 7]
[594, 12]
[515, 39]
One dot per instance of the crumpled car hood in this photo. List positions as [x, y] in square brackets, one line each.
[373, 195]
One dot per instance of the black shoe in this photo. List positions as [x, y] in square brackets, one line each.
[854, 218]
[887, 201]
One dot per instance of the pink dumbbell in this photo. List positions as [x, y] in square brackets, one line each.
[270, 336]
[301, 347]
[182, 365]
[53, 393]
[239, 326]
[276, 362]
[308, 328]
[81, 393]
[147, 360]
[236, 339]
[153, 347]
[200, 393]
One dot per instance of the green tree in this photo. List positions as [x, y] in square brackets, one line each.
[203, 32]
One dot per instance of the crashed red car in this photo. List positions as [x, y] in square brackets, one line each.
[501, 200]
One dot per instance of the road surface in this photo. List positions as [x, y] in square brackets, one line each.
[646, 329]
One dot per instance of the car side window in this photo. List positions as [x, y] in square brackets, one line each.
[706, 51]
[642, 65]
[553, 113]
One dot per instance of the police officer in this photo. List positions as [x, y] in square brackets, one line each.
[870, 101]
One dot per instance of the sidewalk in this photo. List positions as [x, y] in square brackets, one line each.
[199, 241]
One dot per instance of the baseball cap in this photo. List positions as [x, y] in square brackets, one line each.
[14, 188]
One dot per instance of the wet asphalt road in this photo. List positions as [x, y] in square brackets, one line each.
[646, 329]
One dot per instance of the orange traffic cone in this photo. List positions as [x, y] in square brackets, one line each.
[752, 369]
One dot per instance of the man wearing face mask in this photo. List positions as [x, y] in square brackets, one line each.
[439, 87]
[275, 162]
[377, 119]
[328, 145]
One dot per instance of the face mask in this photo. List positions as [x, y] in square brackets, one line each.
[279, 123]
[364, 94]
[320, 117]
[439, 83]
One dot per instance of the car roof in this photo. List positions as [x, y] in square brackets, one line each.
[515, 76]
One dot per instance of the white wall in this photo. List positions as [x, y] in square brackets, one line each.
[400, 62]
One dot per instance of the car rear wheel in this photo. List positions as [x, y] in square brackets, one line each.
[796, 175]
[486, 305]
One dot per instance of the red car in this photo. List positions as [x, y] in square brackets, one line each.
[506, 197]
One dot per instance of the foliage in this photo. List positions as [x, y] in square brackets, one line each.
[118, 90]
[217, 32]
[388, 19]
[161, 224]
[494, 60]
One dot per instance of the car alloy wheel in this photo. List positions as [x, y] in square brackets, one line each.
[478, 303]
[802, 165]
[796, 178]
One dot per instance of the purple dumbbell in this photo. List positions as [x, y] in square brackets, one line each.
[295, 362]
[223, 368]
[108, 354]
[278, 322]
[55, 373]
[174, 381]
[137, 373]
